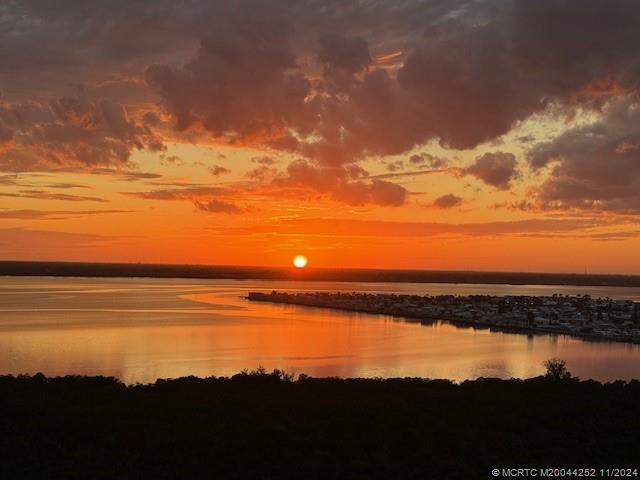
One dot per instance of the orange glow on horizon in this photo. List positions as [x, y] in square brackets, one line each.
[273, 222]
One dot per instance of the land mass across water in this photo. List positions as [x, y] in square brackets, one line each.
[77, 269]
[581, 315]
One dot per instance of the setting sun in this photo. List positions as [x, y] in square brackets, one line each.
[299, 261]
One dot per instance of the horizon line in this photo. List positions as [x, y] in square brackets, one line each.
[315, 268]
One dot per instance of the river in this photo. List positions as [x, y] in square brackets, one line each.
[140, 329]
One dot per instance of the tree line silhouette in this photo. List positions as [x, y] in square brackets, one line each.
[270, 425]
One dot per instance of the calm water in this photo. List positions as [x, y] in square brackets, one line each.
[142, 329]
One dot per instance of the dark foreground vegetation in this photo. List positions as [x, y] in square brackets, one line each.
[268, 426]
[73, 269]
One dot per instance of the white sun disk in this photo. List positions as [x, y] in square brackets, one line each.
[299, 261]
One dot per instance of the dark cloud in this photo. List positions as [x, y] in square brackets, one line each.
[71, 132]
[340, 53]
[265, 160]
[356, 171]
[462, 82]
[596, 166]
[36, 35]
[125, 173]
[426, 159]
[614, 236]
[104, 46]
[170, 159]
[495, 169]
[242, 83]
[331, 82]
[396, 166]
[186, 193]
[342, 57]
[557, 57]
[339, 185]
[217, 170]
[65, 186]
[9, 180]
[447, 201]
[351, 111]
[22, 181]
[217, 206]
[387, 193]
[204, 198]
[44, 195]
[263, 173]
[475, 72]
[27, 214]
[132, 176]
[416, 173]
[350, 184]
[526, 139]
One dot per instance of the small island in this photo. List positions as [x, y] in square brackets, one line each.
[581, 315]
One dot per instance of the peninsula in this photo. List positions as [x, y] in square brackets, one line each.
[582, 316]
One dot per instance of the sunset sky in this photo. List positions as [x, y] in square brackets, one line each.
[483, 135]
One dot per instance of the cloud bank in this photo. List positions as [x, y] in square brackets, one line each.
[329, 83]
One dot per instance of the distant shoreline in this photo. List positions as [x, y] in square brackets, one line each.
[139, 270]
